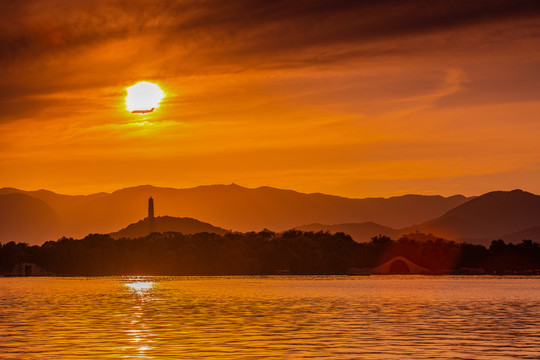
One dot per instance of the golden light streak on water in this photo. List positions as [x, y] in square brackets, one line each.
[373, 317]
[140, 286]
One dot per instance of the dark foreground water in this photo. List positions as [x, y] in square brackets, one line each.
[371, 317]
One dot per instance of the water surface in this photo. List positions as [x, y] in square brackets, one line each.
[372, 317]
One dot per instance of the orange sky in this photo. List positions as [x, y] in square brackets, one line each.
[373, 98]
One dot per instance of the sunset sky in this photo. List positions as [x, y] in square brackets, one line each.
[352, 98]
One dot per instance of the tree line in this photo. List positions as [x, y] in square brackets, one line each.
[260, 253]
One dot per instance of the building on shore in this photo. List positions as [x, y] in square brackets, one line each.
[26, 267]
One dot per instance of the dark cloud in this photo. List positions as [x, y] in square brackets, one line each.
[32, 28]
[504, 83]
[67, 45]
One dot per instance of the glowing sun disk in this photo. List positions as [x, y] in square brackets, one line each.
[143, 97]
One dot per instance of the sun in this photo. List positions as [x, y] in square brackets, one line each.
[143, 97]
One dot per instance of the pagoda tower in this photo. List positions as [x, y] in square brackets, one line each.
[150, 208]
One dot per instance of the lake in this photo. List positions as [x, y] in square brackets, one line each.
[285, 317]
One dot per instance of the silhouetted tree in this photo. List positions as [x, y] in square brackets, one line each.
[262, 252]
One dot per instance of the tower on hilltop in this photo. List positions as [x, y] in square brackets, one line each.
[150, 208]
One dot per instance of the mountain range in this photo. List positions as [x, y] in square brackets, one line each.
[38, 216]
[509, 215]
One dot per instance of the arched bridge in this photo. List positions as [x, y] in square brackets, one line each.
[400, 265]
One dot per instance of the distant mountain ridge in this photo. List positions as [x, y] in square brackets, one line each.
[26, 217]
[509, 215]
[493, 215]
[231, 207]
[38, 216]
[360, 232]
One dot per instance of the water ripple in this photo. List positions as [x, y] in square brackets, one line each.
[270, 317]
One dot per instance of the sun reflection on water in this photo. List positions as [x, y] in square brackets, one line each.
[232, 318]
[138, 335]
[140, 286]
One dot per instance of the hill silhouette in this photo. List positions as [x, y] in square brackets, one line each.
[508, 215]
[494, 215]
[163, 224]
[360, 232]
[234, 207]
[38, 216]
[25, 218]
[532, 233]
